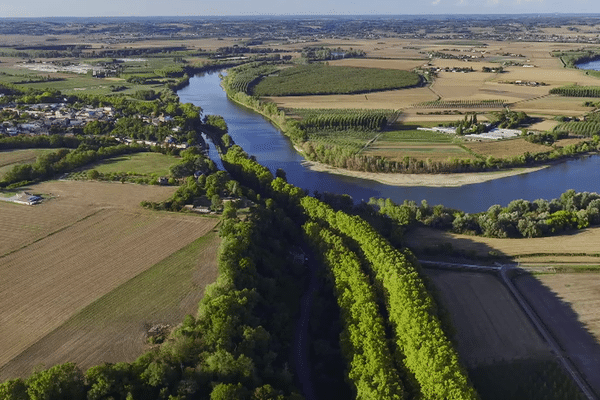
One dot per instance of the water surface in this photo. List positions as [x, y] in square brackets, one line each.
[272, 149]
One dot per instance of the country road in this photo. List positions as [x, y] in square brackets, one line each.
[503, 272]
[300, 345]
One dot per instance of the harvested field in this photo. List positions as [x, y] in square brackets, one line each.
[404, 65]
[93, 238]
[582, 292]
[114, 328]
[546, 125]
[559, 248]
[490, 325]
[554, 105]
[391, 99]
[505, 148]
[565, 322]
[569, 141]
[71, 201]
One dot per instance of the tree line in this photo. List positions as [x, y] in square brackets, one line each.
[63, 160]
[421, 346]
[520, 218]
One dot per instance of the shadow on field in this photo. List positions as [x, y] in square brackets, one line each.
[563, 323]
[440, 245]
[527, 379]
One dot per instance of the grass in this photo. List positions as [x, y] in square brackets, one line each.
[323, 79]
[353, 140]
[138, 163]
[10, 158]
[414, 136]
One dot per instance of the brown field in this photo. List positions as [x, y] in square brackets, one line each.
[411, 116]
[391, 99]
[71, 201]
[505, 148]
[546, 125]
[490, 325]
[405, 65]
[582, 292]
[582, 242]
[568, 306]
[114, 328]
[89, 240]
[554, 105]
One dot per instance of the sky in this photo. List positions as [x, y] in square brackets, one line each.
[103, 8]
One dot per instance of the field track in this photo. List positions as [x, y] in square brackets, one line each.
[64, 266]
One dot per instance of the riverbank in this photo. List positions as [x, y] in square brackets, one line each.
[428, 180]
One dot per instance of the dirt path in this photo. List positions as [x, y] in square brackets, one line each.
[301, 344]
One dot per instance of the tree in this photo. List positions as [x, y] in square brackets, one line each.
[229, 391]
[63, 381]
[216, 203]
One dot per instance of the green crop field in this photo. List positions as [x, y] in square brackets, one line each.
[324, 79]
[138, 163]
[414, 136]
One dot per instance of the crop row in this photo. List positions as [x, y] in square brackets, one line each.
[577, 91]
[461, 104]
[317, 79]
[584, 128]
[365, 121]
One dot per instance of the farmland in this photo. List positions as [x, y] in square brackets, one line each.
[565, 250]
[85, 243]
[319, 79]
[479, 300]
[138, 164]
[502, 350]
[12, 157]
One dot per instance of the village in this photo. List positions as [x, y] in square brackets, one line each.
[43, 117]
[61, 118]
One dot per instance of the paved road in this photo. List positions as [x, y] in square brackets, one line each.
[503, 271]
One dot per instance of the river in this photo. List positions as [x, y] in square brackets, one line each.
[272, 149]
[590, 65]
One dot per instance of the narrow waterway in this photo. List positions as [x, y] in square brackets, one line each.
[272, 149]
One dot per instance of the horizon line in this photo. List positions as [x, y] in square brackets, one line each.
[312, 15]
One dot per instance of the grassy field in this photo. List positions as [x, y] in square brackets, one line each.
[323, 79]
[422, 145]
[72, 83]
[63, 255]
[138, 163]
[10, 158]
[114, 327]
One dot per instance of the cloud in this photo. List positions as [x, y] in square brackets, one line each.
[435, 2]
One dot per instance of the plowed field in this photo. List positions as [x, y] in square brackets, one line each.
[70, 251]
